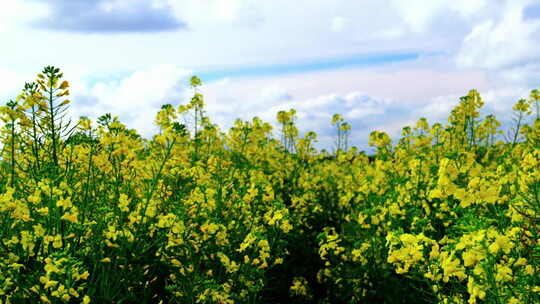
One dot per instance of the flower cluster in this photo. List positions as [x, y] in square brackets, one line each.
[91, 212]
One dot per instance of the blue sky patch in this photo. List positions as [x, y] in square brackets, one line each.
[293, 68]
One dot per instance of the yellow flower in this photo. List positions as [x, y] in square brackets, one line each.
[285, 224]
[513, 300]
[504, 273]
[520, 262]
[57, 242]
[299, 287]
[123, 203]
[529, 269]
[44, 299]
[231, 266]
[470, 258]
[73, 292]
[250, 238]
[64, 203]
[64, 85]
[43, 211]
[502, 242]
[35, 198]
[452, 267]
[50, 283]
[84, 275]
[70, 217]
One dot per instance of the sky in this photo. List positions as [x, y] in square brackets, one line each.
[380, 64]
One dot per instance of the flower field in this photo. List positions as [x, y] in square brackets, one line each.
[91, 212]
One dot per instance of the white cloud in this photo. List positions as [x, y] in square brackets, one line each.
[275, 92]
[389, 33]
[438, 108]
[217, 13]
[496, 44]
[499, 101]
[338, 23]
[12, 83]
[394, 128]
[421, 16]
[418, 14]
[136, 98]
[467, 7]
[14, 14]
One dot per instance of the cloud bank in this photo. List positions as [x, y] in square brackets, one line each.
[108, 16]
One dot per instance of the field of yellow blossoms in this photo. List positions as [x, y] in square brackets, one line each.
[91, 212]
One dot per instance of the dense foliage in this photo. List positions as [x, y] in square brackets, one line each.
[91, 212]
